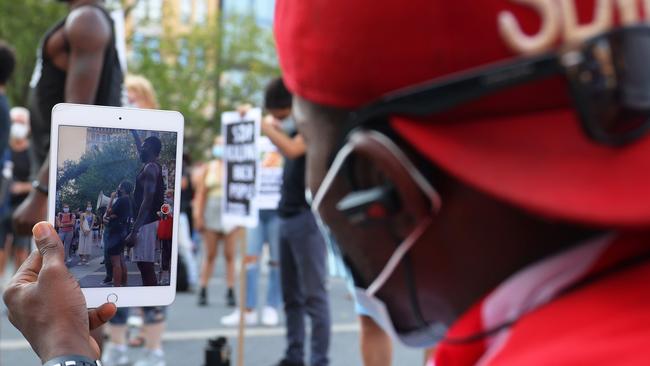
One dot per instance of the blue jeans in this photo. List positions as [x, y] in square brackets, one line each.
[267, 231]
[303, 257]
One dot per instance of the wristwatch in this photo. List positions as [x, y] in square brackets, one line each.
[40, 187]
[72, 360]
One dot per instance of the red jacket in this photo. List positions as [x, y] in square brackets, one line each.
[605, 320]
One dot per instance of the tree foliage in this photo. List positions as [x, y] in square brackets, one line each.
[23, 23]
[102, 169]
[183, 70]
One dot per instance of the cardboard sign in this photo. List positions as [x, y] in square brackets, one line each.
[240, 159]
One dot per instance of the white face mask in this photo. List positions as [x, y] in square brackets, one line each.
[288, 125]
[18, 131]
[66, 210]
[376, 308]
[89, 209]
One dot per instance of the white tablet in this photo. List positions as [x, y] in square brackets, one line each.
[115, 183]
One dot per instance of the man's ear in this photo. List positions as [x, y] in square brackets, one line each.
[405, 196]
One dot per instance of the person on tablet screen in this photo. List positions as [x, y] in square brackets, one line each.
[77, 63]
[119, 215]
[65, 222]
[148, 198]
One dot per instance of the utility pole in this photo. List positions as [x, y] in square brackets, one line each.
[220, 40]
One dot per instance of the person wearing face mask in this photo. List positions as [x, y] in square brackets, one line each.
[302, 247]
[207, 220]
[65, 221]
[87, 220]
[17, 168]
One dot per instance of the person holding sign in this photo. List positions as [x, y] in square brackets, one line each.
[208, 220]
[266, 231]
[302, 247]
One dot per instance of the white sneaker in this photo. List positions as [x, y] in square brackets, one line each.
[151, 358]
[270, 316]
[113, 356]
[250, 318]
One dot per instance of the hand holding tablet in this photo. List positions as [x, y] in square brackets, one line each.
[137, 154]
[44, 279]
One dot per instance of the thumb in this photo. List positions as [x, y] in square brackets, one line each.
[48, 244]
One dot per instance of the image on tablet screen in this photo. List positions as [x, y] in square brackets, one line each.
[114, 204]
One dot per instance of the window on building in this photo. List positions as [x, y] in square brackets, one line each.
[201, 11]
[186, 11]
[154, 13]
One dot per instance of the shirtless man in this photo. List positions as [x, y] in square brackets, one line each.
[148, 197]
[77, 63]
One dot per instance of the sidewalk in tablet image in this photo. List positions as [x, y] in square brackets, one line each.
[92, 274]
[190, 325]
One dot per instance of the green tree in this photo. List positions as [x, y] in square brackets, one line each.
[23, 23]
[101, 170]
[182, 68]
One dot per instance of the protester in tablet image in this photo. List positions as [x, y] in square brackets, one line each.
[65, 221]
[87, 221]
[119, 216]
[208, 220]
[148, 198]
[77, 63]
[17, 167]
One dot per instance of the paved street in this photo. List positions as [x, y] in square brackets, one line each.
[189, 326]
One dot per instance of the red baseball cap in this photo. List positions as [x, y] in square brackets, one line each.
[524, 145]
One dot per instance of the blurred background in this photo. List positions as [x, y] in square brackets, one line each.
[220, 51]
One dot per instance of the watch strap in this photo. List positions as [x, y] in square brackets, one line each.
[40, 187]
[72, 360]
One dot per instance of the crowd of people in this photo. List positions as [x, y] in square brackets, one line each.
[479, 208]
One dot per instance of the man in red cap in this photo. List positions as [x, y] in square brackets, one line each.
[483, 166]
[484, 169]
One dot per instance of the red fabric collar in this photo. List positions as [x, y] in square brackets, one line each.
[525, 292]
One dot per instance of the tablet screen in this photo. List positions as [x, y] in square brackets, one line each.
[114, 204]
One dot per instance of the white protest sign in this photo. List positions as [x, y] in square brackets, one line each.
[240, 166]
[269, 179]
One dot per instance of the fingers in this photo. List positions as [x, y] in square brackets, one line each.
[99, 316]
[28, 271]
[48, 244]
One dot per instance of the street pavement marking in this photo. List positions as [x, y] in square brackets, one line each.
[201, 334]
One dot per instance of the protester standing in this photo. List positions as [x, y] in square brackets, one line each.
[7, 65]
[208, 220]
[20, 182]
[303, 250]
[77, 63]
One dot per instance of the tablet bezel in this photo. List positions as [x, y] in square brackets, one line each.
[66, 114]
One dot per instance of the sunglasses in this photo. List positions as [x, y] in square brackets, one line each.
[608, 78]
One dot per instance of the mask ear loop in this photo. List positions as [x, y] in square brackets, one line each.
[425, 187]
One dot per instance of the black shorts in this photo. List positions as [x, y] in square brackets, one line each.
[19, 242]
[115, 243]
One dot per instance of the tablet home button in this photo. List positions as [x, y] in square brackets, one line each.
[111, 298]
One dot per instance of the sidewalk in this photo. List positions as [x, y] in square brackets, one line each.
[189, 326]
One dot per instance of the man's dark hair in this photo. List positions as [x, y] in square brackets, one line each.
[276, 95]
[154, 143]
[127, 186]
[7, 62]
